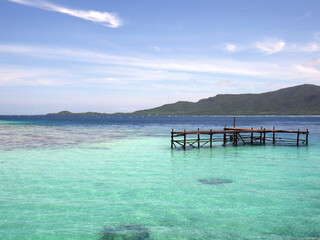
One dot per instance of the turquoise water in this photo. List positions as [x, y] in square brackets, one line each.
[72, 180]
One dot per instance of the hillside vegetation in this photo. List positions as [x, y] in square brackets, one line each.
[302, 99]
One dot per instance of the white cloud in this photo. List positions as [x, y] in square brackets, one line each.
[309, 48]
[313, 63]
[227, 84]
[105, 18]
[271, 46]
[230, 47]
[307, 70]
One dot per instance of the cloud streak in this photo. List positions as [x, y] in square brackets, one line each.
[218, 66]
[22, 76]
[152, 68]
[271, 46]
[105, 18]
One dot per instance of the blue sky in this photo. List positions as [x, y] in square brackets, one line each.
[121, 55]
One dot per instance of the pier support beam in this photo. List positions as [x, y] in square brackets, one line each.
[251, 135]
[264, 136]
[210, 138]
[298, 136]
[307, 137]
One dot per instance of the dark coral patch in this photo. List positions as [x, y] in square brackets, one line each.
[214, 181]
[125, 232]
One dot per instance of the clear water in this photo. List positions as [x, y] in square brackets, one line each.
[67, 177]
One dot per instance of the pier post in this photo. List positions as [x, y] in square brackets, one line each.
[235, 139]
[307, 137]
[264, 136]
[251, 135]
[274, 136]
[224, 138]
[261, 135]
[172, 139]
[298, 136]
[198, 138]
[184, 140]
[210, 138]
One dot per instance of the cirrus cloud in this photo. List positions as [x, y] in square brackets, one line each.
[105, 18]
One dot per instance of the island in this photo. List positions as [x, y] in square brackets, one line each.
[297, 100]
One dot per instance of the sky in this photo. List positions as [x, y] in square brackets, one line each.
[126, 55]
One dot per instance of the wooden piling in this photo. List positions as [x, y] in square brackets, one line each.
[172, 139]
[264, 136]
[251, 135]
[261, 135]
[210, 138]
[224, 139]
[298, 135]
[184, 140]
[273, 136]
[198, 138]
[235, 139]
[307, 137]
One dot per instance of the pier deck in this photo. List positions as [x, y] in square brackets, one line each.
[237, 136]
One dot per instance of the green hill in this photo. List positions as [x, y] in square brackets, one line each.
[302, 99]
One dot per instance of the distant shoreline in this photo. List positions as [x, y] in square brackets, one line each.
[297, 100]
[106, 114]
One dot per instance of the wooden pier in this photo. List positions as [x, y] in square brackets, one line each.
[237, 136]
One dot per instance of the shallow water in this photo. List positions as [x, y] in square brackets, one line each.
[73, 177]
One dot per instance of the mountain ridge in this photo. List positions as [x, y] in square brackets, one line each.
[297, 100]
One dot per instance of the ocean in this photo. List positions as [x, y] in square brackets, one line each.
[116, 177]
